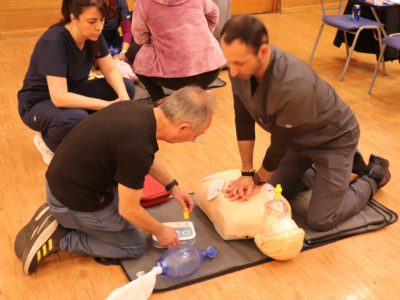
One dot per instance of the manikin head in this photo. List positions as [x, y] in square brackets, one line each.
[279, 238]
[245, 46]
[185, 115]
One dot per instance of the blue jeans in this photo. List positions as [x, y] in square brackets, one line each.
[103, 233]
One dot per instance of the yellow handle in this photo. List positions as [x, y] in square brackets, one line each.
[186, 214]
[278, 191]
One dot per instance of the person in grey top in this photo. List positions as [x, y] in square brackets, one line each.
[314, 133]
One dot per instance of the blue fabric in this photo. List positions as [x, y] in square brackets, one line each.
[345, 22]
[103, 233]
[392, 41]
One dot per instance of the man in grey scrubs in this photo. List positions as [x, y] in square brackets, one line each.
[313, 131]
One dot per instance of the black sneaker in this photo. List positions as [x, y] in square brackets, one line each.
[359, 164]
[24, 235]
[41, 241]
[378, 170]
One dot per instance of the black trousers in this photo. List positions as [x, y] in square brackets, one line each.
[154, 85]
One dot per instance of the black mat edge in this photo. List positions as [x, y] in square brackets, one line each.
[372, 203]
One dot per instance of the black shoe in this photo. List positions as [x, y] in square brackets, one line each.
[22, 238]
[42, 238]
[359, 164]
[378, 170]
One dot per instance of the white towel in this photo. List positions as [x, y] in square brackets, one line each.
[139, 289]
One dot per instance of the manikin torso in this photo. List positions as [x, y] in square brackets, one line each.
[236, 220]
[257, 218]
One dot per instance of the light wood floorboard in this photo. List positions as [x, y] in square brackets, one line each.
[366, 266]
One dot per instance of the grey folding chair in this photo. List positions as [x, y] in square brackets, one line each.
[392, 40]
[344, 23]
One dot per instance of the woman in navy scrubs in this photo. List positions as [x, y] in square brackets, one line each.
[56, 93]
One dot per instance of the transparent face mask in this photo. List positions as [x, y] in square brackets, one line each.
[276, 208]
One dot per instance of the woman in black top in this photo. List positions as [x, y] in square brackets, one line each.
[57, 93]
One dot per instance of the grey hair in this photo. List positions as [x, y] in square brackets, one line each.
[192, 104]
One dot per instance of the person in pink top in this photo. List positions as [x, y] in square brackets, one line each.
[178, 47]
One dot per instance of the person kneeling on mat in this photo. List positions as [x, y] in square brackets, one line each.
[95, 180]
[311, 128]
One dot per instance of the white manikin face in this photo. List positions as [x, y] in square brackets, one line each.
[272, 225]
[279, 238]
[276, 218]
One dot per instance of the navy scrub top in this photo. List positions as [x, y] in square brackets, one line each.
[56, 54]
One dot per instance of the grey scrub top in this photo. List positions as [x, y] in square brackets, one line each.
[292, 95]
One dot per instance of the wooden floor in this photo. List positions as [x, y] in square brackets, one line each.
[366, 266]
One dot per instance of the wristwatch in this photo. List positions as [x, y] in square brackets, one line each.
[257, 179]
[123, 51]
[171, 185]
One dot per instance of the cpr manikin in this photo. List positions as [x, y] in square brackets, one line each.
[279, 238]
[275, 233]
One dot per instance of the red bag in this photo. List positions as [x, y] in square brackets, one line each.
[153, 192]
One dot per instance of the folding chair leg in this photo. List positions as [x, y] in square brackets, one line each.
[380, 48]
[316, 43]
[351, 52]
[376, 69]
[347, 44]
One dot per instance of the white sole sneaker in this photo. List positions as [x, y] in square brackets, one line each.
[43, 241]
[24, 236]
[47, 154]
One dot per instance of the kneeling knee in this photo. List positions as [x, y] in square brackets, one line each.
[319, 224]
[137, 248]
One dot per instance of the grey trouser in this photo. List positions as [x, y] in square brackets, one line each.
[332, 200]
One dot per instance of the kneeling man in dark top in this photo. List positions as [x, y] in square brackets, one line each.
[314, 133]
[95, 180]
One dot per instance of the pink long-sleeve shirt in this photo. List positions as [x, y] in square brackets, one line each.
[177, 38]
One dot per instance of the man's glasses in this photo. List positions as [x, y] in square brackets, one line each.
[198, 138]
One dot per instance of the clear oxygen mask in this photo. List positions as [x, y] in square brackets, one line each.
[277, 207]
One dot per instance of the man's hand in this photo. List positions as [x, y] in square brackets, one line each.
[241, 189]
[183, 198]
[168, 237]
